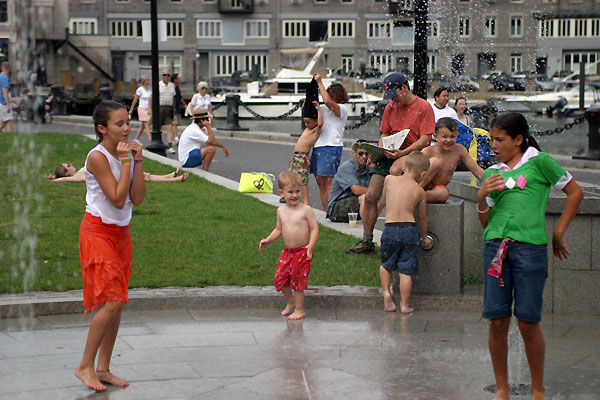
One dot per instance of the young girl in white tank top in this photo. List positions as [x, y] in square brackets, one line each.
[114, 176]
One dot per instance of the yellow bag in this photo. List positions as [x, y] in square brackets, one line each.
[256, 182]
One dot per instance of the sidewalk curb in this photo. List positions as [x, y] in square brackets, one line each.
[223, 297]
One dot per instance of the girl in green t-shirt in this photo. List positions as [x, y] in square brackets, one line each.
[512, 205]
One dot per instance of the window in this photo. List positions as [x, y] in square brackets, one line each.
[546, 28]
[464, 26]
[207, 28]
[490, 26]
[259, 60]
[172, 63]
[431, 63]
[516, 26]
[580, 27]
[378, 29]
[347, 63]
[257, 29]
[564, 27]
[382, 62]
[236, 4]
[433, 28]
[227, 64]
[3, 10]
[341, 29]
[83, 26]
[571, 61]
[123, 28]
[174, 29]
[515, 63]
[295, 29]
[122, 1]
[404, 4]
[595, 23]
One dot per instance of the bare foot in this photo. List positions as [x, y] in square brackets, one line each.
[288, 309]
[297, 315]
[108, 377]
[89, 378]
[535, 395]
[406, 309]
[502, 395]
[177, 172]
[388, 302]
[184, 177]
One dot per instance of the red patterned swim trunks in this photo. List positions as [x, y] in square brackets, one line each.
[292, 269]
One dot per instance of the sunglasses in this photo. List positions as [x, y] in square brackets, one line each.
[362, 153]
[166, 74]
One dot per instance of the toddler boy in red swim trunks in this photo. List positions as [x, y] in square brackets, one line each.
[297, 224]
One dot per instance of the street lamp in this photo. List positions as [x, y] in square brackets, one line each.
[156, 145]
[420, 49]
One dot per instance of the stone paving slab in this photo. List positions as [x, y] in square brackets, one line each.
[240, 353]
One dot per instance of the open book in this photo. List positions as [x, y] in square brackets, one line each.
[391, 142]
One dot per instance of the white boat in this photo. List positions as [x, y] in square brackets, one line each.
[283, 93]
[541, 102]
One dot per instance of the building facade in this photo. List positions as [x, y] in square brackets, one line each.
[215, 38]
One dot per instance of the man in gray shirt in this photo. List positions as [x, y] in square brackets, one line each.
[349, 186]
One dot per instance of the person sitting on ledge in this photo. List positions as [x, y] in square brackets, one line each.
[197, 145]
[65, 172]
[443, 156]
[350, 185]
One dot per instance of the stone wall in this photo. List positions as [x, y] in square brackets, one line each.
[572, 285]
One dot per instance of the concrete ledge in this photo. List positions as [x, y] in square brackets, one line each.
[141, 299]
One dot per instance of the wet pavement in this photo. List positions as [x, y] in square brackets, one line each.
[252, 353]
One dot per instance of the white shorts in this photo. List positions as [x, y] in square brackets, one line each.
[4, 114]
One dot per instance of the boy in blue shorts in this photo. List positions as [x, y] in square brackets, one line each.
[403, 195]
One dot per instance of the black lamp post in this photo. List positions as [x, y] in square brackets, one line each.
[156, 145]
[420, 49]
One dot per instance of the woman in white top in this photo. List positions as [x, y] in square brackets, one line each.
[142, 94]
[327, 150]
[460, 105]
[200, 99]
[114, 181]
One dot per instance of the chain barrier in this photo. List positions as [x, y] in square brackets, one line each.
[548, 132]
[216, 106]
[362, 121]
[282, 116]
[578, 120]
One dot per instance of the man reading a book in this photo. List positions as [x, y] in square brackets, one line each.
[405, 111]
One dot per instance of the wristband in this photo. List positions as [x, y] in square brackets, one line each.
[480, 211]
[137, 160]
[125, 157]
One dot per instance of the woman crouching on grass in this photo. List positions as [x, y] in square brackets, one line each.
[114, 177]
[512, 209]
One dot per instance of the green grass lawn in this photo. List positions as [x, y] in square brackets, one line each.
[184, 234]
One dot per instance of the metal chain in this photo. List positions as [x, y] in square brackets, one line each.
[282, 116]
[363, 121]
[567, 126]
[216, 106]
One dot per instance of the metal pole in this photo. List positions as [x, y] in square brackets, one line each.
[581, 86]
[420, 49]
[592, 115]
[156, 145]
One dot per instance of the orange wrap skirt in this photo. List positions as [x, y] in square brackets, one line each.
[105, 252]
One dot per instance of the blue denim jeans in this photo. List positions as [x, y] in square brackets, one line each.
[524, 272]
[325, 160]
